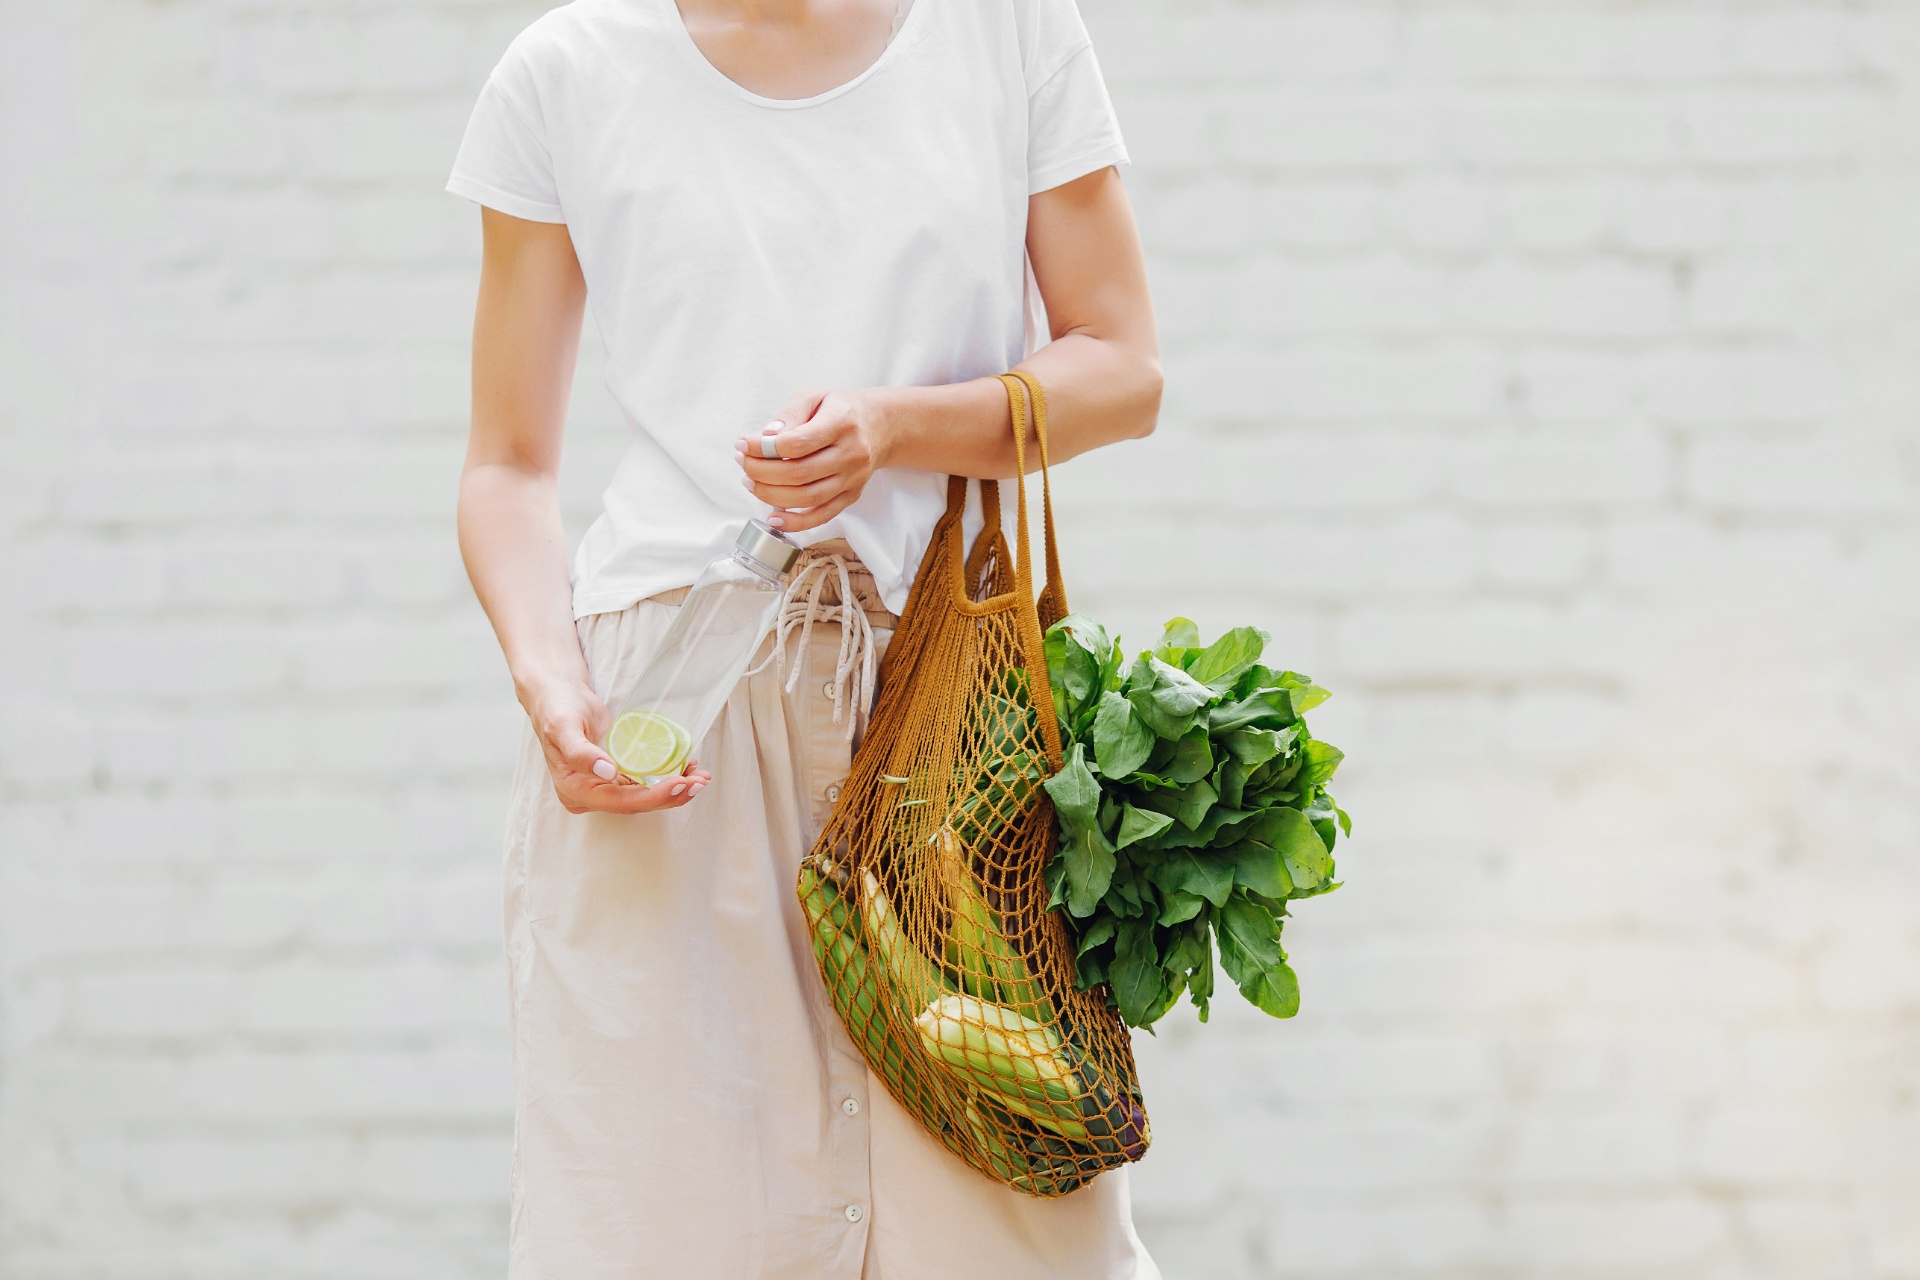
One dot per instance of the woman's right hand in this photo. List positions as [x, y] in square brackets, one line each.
[569, 719]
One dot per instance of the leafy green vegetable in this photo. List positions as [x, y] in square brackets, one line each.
[1136, 972]
[1180, 633]
[1087, 854]
[1192, 808]
[1140, 824]
[1164, 696]
[1221, 662]
[1121, 740]
[1250, 953]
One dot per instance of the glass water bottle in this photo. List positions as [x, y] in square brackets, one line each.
[678, 696]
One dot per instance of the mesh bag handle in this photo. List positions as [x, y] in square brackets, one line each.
[925, 896]
[991, 546]
[1027, 405]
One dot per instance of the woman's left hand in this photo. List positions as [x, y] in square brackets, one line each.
[829, 445]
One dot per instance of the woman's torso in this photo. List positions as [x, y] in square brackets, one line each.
[739, 249]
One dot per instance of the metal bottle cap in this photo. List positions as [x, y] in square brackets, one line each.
[768, 546]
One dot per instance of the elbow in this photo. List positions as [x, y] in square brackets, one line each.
[1152, 383]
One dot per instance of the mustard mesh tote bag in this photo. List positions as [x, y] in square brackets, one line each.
[926, 894]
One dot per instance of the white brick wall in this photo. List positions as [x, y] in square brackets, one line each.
[1541, 374]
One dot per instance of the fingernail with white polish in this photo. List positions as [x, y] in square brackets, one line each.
[678, 787]
[694, 790]
[778, 522]
[604, 769]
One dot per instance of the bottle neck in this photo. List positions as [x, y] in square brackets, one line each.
[765, 572]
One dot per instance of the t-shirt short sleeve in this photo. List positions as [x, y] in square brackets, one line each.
[504, 162]
[1071, 127]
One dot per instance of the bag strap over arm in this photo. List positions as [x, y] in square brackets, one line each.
[1052, 606]
[1028, 403]
[1053, 599]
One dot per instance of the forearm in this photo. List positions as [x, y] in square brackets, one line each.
[526, 338]
[1101, 372]
[515, 551]
[1099, 391]
[1101, 376]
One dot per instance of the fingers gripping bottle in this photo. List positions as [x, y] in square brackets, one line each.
[727, 613]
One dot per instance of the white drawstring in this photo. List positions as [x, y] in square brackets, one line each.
[800, 605]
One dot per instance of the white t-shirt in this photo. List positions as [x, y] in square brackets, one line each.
[739, 249]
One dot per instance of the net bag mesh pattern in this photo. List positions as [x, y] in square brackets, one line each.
[925, 895]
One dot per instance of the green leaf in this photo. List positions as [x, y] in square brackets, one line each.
[1200, 973]
[1090, 968]
[1250, 953]
[1121, 740]
[1190, 947]
[1292, 835]
[1254, 747]
[1322, 759]
[1181, 906]
[1191, 957]
[1320, 811]
[1170, 988]
[1056, 874]
[1099, 931]
[1260, 868]
[1140, 824]
[1195, 801]
[1075, 791]
[1179, 633]
[1221, 663]
[1316, 891]
[1249, 937]
[1306, 694]
[1232, 783]
[1275, 774]
[1191, 761]
[1089, 860]
[1176, 691]
[1085, 851]
[1206, 876]
[1167, 698]
[1083, 633]
[1136, 975]
[1129, 894]
[1262, 708]
[1255, 677]
[1274, 990]
[1219, 819]
[1073, 671]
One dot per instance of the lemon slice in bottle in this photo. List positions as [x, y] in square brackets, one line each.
[647, 745]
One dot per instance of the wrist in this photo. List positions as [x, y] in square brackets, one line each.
[534, 684]
[906, 424]
[888, 422]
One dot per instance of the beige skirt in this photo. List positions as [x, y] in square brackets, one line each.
[686, 1102]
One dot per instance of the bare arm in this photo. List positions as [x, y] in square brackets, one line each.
[1101, 374]
[526, 336]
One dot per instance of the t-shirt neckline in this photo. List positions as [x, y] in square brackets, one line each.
[684, 39]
